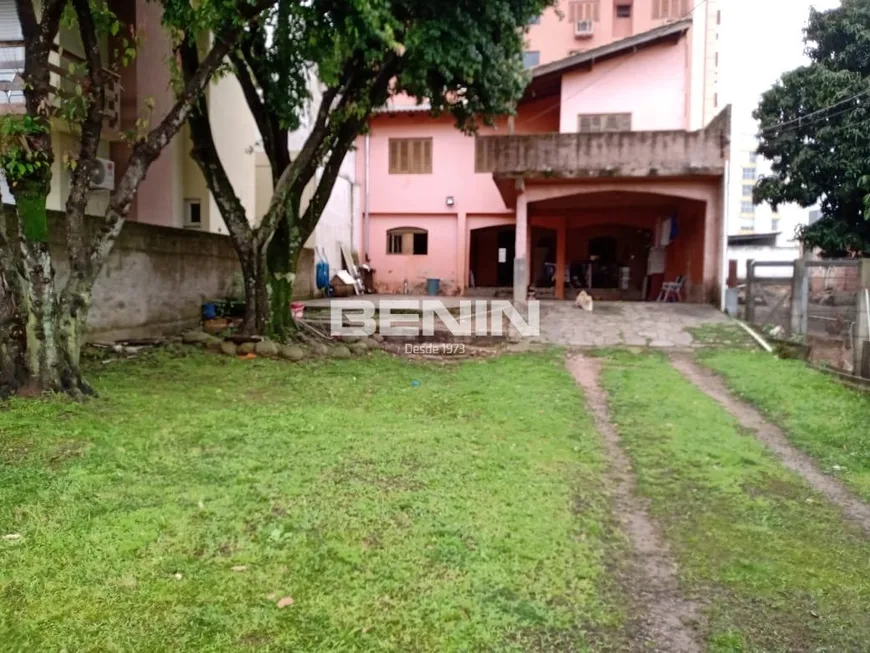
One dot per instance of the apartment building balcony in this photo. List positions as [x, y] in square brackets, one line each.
[66, 80]
[619, 154]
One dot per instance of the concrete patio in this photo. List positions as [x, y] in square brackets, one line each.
[611, 324]
[624, 323]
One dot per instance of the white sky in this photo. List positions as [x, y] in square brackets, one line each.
[761, 39]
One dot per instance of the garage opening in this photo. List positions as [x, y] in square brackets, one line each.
[491, 260]
[611, 260]
[617, 246]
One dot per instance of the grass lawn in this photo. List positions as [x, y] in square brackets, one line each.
[463, 512]
[727, 334]
[825, 419]
[775, 566]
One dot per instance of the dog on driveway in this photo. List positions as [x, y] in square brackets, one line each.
[584, 301]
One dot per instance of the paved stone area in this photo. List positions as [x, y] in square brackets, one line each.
[624, 323]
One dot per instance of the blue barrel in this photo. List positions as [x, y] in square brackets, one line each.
[433, 287]
[322, 274]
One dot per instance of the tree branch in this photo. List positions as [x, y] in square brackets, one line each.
[39, 37]
[27, 19]
[331, 170]
[297, 175]
[147, 150]
[91, 130]
[275, 147]
[207, 158]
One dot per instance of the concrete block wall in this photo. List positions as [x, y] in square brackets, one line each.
[155, 280]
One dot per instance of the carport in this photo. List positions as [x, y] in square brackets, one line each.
[613, 213]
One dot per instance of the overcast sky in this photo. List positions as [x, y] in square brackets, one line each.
[761, 39]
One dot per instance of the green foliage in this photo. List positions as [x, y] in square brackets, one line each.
[823, 157]
[27, 170]
[17, 158]
[466, 514]
[463, 56]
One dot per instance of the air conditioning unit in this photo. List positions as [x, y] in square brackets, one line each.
[103, 175]
[584, 28]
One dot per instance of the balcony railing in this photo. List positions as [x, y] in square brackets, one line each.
[63, 81]
[611, 154]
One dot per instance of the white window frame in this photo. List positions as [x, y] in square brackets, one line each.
[189, 203]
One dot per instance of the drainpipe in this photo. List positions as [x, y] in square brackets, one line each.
[367, 198]
[726, 203]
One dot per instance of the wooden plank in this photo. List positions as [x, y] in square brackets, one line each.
[750, 291]
[865, 362]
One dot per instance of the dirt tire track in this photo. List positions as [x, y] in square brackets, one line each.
[666, 620]
[774, 439]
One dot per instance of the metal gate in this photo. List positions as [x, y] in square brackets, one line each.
[769, 295]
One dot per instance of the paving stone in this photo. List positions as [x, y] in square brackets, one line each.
[624, 323]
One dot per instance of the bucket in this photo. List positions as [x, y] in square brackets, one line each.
[433, 287]
[297, 310]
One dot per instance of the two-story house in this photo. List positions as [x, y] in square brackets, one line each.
[610, 177]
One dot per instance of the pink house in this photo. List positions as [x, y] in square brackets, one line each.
[609, 178]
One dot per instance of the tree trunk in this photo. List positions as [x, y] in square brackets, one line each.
[53, 332]
[283, 255]
[41, 334]
[256, 319]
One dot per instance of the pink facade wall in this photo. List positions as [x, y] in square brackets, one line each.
[421, 200]
[452, 163]
[392, 270]
[654, 88]
[554, 36]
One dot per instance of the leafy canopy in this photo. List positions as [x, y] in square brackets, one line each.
[462, 56]
[815, 128]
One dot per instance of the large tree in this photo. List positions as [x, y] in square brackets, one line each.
[42, 327]
[462, 56]
[815, 128]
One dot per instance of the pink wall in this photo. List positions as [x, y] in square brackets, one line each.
[157, 199]
[452, 163]
[391, 270]
[554, 36]
[654, 88]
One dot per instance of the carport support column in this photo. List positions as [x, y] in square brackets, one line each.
[461, 252]
[521, 260]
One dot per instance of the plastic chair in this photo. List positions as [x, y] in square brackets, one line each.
[672, 290]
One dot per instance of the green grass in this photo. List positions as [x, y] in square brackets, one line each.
[825, 419]
[776, 566]
[464, 513]
[728, 334]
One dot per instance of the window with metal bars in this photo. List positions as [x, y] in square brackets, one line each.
[409, 241]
